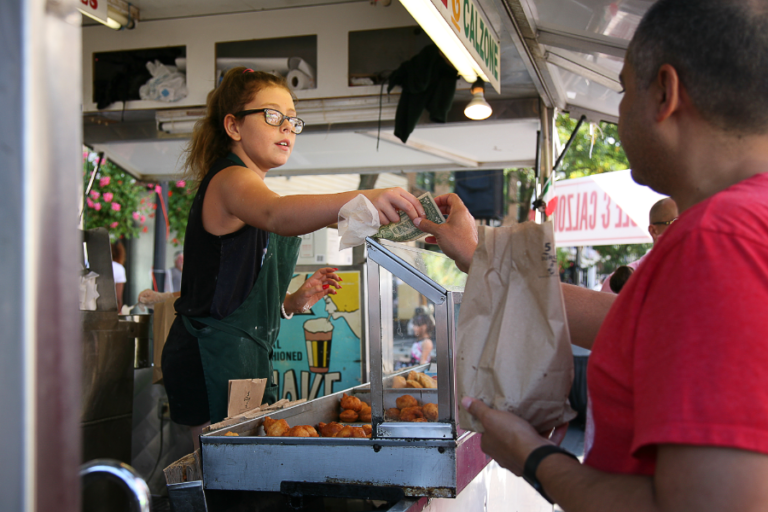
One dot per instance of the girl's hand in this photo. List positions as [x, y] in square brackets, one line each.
[388, 200]
[319, 284]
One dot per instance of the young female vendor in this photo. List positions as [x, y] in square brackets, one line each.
[241, 247]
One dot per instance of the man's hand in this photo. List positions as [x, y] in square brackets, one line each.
[508, 439]
[457, 237]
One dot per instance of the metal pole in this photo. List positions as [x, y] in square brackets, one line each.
[158, 261]
[570, 141]
[40, 345]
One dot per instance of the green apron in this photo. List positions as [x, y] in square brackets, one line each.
[240, 345]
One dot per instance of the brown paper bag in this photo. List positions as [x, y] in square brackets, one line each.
[244, 395]
[512, 345]
[163, 317]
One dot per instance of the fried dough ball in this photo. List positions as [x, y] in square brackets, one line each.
[411, 413]
[275, 428]
[406, 401]
[426, 381]
[232, 434]
[365, 413]
[351, 403]
[412, 375]
[368, 430]
[349, 431]
[398, 381]
[392, 414]
[420, 420]
[348, 416]
[413, 384]
[301, 431]
[430, 411]
[329, 429]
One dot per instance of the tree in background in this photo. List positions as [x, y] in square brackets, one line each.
[606, 155]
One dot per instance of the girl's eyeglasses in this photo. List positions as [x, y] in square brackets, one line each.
[275, 118]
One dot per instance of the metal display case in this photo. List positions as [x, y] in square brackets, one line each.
[434, 459]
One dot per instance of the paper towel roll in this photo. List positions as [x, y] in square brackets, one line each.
[181, 63]
[273, 65]
[298, 80]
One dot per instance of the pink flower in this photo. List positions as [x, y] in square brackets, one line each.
[181, 183]
[103, 182]
[103, 160]
[135, 215]
[116, 207]
[97, 206]
[95, 194]
[113, 225]
[158, 189]
[143, 218]
[85, 154]
[108, 196]
[89, 202]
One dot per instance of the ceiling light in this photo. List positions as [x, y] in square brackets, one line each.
[433, 23]
[478, 109]
[115, 19]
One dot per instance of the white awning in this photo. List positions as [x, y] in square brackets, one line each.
[603, 209]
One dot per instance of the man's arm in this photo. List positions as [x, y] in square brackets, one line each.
[585, 310]
[687, 478]
[457, 237]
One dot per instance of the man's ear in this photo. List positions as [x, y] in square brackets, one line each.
[232, 127]
[652, 232]
[669, 94]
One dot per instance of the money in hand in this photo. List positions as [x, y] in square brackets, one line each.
[405, 230]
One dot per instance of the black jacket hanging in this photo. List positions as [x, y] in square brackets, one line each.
[428, 81]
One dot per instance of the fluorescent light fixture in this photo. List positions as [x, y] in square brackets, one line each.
[115, 19]
[478, 109]
[176, 127]
[437, 28]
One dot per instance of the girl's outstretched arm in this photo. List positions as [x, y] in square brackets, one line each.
[237, 195]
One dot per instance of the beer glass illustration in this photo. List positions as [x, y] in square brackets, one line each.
[318, 333]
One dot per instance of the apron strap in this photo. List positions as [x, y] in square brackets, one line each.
[219, 326]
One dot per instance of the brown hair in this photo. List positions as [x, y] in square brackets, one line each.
[209, 138]
[118, 252]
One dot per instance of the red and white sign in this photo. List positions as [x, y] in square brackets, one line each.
[96, 9]
[604, 209]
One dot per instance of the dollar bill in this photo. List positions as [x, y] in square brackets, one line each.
[404, 230]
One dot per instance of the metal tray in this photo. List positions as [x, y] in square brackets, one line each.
[423, 459]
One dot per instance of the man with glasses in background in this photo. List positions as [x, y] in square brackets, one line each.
[662, 214]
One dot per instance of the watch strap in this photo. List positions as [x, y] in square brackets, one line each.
[532, 464]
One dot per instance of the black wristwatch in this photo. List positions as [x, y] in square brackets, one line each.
[532, 464]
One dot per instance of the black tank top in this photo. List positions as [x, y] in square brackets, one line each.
[219, 271]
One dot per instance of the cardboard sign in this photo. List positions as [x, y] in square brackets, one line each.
[244, 395]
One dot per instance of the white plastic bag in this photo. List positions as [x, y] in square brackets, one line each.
[167, 83]
[357, 220]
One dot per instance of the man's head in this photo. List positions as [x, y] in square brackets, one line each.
[696, 74]
[662, 214]
[178, 260]
[720, 51]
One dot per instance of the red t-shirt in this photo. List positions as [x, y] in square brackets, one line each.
[682, 356]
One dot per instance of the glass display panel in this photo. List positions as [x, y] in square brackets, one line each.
[435, 266]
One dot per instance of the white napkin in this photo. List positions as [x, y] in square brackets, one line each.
[88, 293]
[357, 220]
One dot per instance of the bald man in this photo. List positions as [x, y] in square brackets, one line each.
[661, 215]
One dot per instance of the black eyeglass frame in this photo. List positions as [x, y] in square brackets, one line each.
[283, 117]
[664, 223]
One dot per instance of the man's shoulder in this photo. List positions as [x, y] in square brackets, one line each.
[740, 210]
